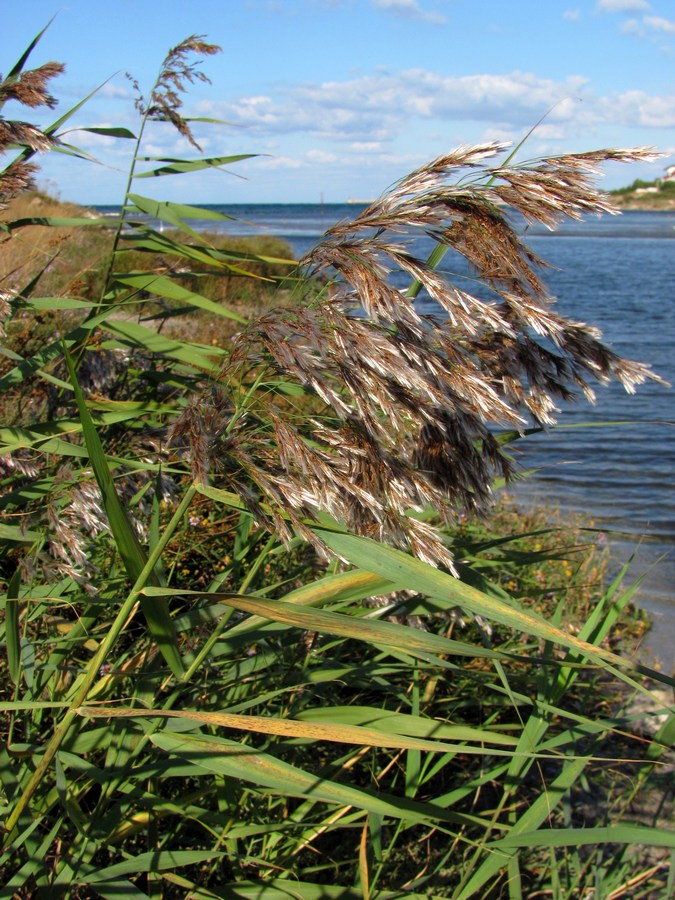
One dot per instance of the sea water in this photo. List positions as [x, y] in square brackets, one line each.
[616, 272]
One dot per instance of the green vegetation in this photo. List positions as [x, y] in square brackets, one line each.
[637, 185]
[257, 639]
[641, 194]
[77, 261]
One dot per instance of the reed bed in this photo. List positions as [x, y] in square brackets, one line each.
[256, 643]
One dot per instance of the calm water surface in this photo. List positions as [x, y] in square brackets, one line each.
[617, 273]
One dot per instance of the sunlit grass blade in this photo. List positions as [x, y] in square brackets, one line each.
[346, 586]
[421, 644]
[408, 572]
[181, 166]
[240, 761]
[321, 730]
[166, 287]
[580, 837]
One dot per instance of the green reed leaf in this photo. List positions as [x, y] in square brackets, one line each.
[403, 639]
[174, 213]
[152, 861]
[18, 67]
[241, 761]
[56, 222]
[12, 632]
[640, 835]
[109, 131]
[413, 574]
[335, 730]
[286, 889]
[15, 534]
[197, 355]
[166, 287]
[404, 724]
[53, 303]
[156, 612]
[181, 166]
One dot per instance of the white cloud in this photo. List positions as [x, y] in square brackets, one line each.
[387, 122]
[623, 5]
[278, 162]
[634, 108]
[376, 108]
[572, 15]
[114, 90]
[411, 9]
[632, 26]
[321, 157]
[656, 23]
[498, 135]
[654, 27]
[549, 132]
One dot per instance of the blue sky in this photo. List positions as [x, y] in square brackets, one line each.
[343, 97]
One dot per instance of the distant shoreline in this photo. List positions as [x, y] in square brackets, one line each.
[643, 202]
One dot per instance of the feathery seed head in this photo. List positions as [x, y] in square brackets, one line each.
[401, 408]
[30, 87]
[176, 72]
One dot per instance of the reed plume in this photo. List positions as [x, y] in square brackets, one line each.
[407, 406]
[30, 89]
[178, 70]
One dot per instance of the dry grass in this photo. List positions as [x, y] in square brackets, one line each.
[70, 258]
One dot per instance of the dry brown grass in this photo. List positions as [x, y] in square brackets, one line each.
[71, 258]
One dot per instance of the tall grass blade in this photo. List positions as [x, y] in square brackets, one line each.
[500, 855]
[410, 573]
[155, 861]
[156, 611]
[181, 166]
[18, 67]
[239, 761]
[12, 632]
[414, 642]
[335, 731]
[640, 835]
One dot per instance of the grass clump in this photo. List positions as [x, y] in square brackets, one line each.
[255, 642]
